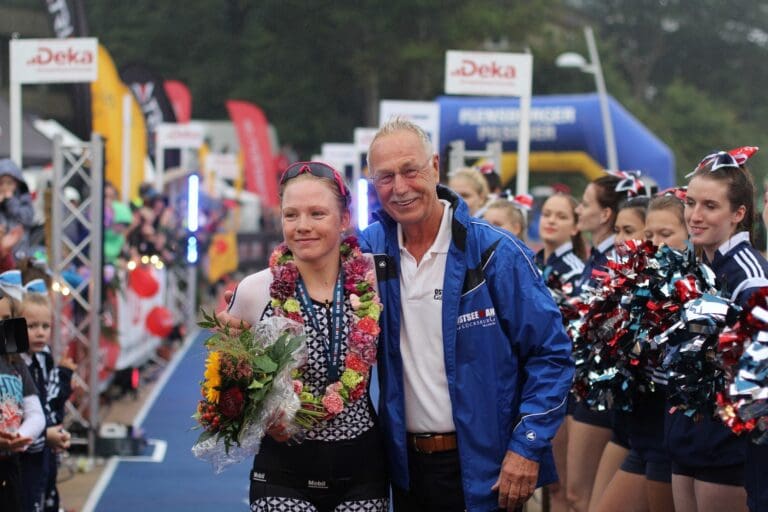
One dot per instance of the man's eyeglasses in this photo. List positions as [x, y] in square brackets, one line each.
[386, 178]
[318, 170]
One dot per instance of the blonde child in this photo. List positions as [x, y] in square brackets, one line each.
[39, 465]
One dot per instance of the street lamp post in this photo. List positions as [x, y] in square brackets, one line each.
[574, 60]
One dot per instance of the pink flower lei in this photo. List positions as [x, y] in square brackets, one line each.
[360, 287]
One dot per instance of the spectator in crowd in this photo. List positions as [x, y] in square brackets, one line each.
[17, 213]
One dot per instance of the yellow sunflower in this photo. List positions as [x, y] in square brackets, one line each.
[212, 377]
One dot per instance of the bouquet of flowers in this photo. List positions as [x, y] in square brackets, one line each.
[246, 386]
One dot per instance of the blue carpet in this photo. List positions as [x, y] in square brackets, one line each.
[181, 482]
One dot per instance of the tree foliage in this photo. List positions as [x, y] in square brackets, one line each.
[689, 70]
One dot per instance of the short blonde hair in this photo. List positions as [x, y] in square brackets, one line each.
[513, 213]
[475, 178]
[401, 124]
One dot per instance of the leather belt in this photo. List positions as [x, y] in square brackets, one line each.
[432, 443]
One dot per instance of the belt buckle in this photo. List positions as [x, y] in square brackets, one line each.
[416, 448]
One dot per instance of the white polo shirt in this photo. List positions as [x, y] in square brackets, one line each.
[427, 402]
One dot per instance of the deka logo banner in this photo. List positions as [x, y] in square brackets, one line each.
[54, 60]
[488, 73]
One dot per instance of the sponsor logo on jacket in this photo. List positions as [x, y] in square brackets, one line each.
[478, 318]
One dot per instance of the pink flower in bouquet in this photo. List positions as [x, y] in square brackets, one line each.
[354, 301]
[368, 354]
[357, 269]
[334, 388]
[333, 403]
[359, 339]
[298, 386]
[231, 403]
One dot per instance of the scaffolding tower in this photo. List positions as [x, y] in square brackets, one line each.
[79, 166]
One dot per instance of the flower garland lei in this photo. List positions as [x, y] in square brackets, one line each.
[360, 285]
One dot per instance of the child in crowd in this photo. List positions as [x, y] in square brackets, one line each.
[39, 465]
[471, 186]
[21, 415]
[506, 215]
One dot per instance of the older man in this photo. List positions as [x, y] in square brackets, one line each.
[474, 365]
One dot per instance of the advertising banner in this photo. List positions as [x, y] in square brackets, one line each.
[68, 20]
[137, 344]
[45, 61]
[253, 135]
[488, 73]
[107, 93]
[180, 98]
[147, 88]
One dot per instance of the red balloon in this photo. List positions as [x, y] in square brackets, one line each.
[159, 321]
[143, 282]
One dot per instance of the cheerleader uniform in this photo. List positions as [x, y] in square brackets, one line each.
[340, 465]
[563, 263]
[596, 261]
[707, 450]
[645, 431]
[567, 267]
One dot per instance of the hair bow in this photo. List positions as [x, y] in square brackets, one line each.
[10, 284]
[678, 192]
[36, 286]
[629, 182]
[522, 201]
[487, 168]
[734, 158]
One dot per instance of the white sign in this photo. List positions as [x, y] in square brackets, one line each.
[41, 61]
[424, 114]
[338, 155]
[180, 136]
[488, 74]
[363, 138]
[223, 165]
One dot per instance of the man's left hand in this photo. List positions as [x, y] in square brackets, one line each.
[517, 481]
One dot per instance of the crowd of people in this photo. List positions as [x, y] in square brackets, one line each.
[479, 402]
[33, 387]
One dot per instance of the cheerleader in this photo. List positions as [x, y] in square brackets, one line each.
[707, 458]
[629, 225]
[589, 431]
[643, 480]
[564, 249]
[560, 261]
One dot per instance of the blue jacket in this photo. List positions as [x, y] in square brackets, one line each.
[508, 373]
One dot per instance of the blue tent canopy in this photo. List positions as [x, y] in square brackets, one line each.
[558, 124]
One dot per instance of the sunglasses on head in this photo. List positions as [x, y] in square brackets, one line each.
[318, 170]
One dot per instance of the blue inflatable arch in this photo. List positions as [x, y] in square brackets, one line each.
[566, 135]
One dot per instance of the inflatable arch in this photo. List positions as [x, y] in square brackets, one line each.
[566, 135]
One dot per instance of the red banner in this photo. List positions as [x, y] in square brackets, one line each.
[253, 134]
[181, 100]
